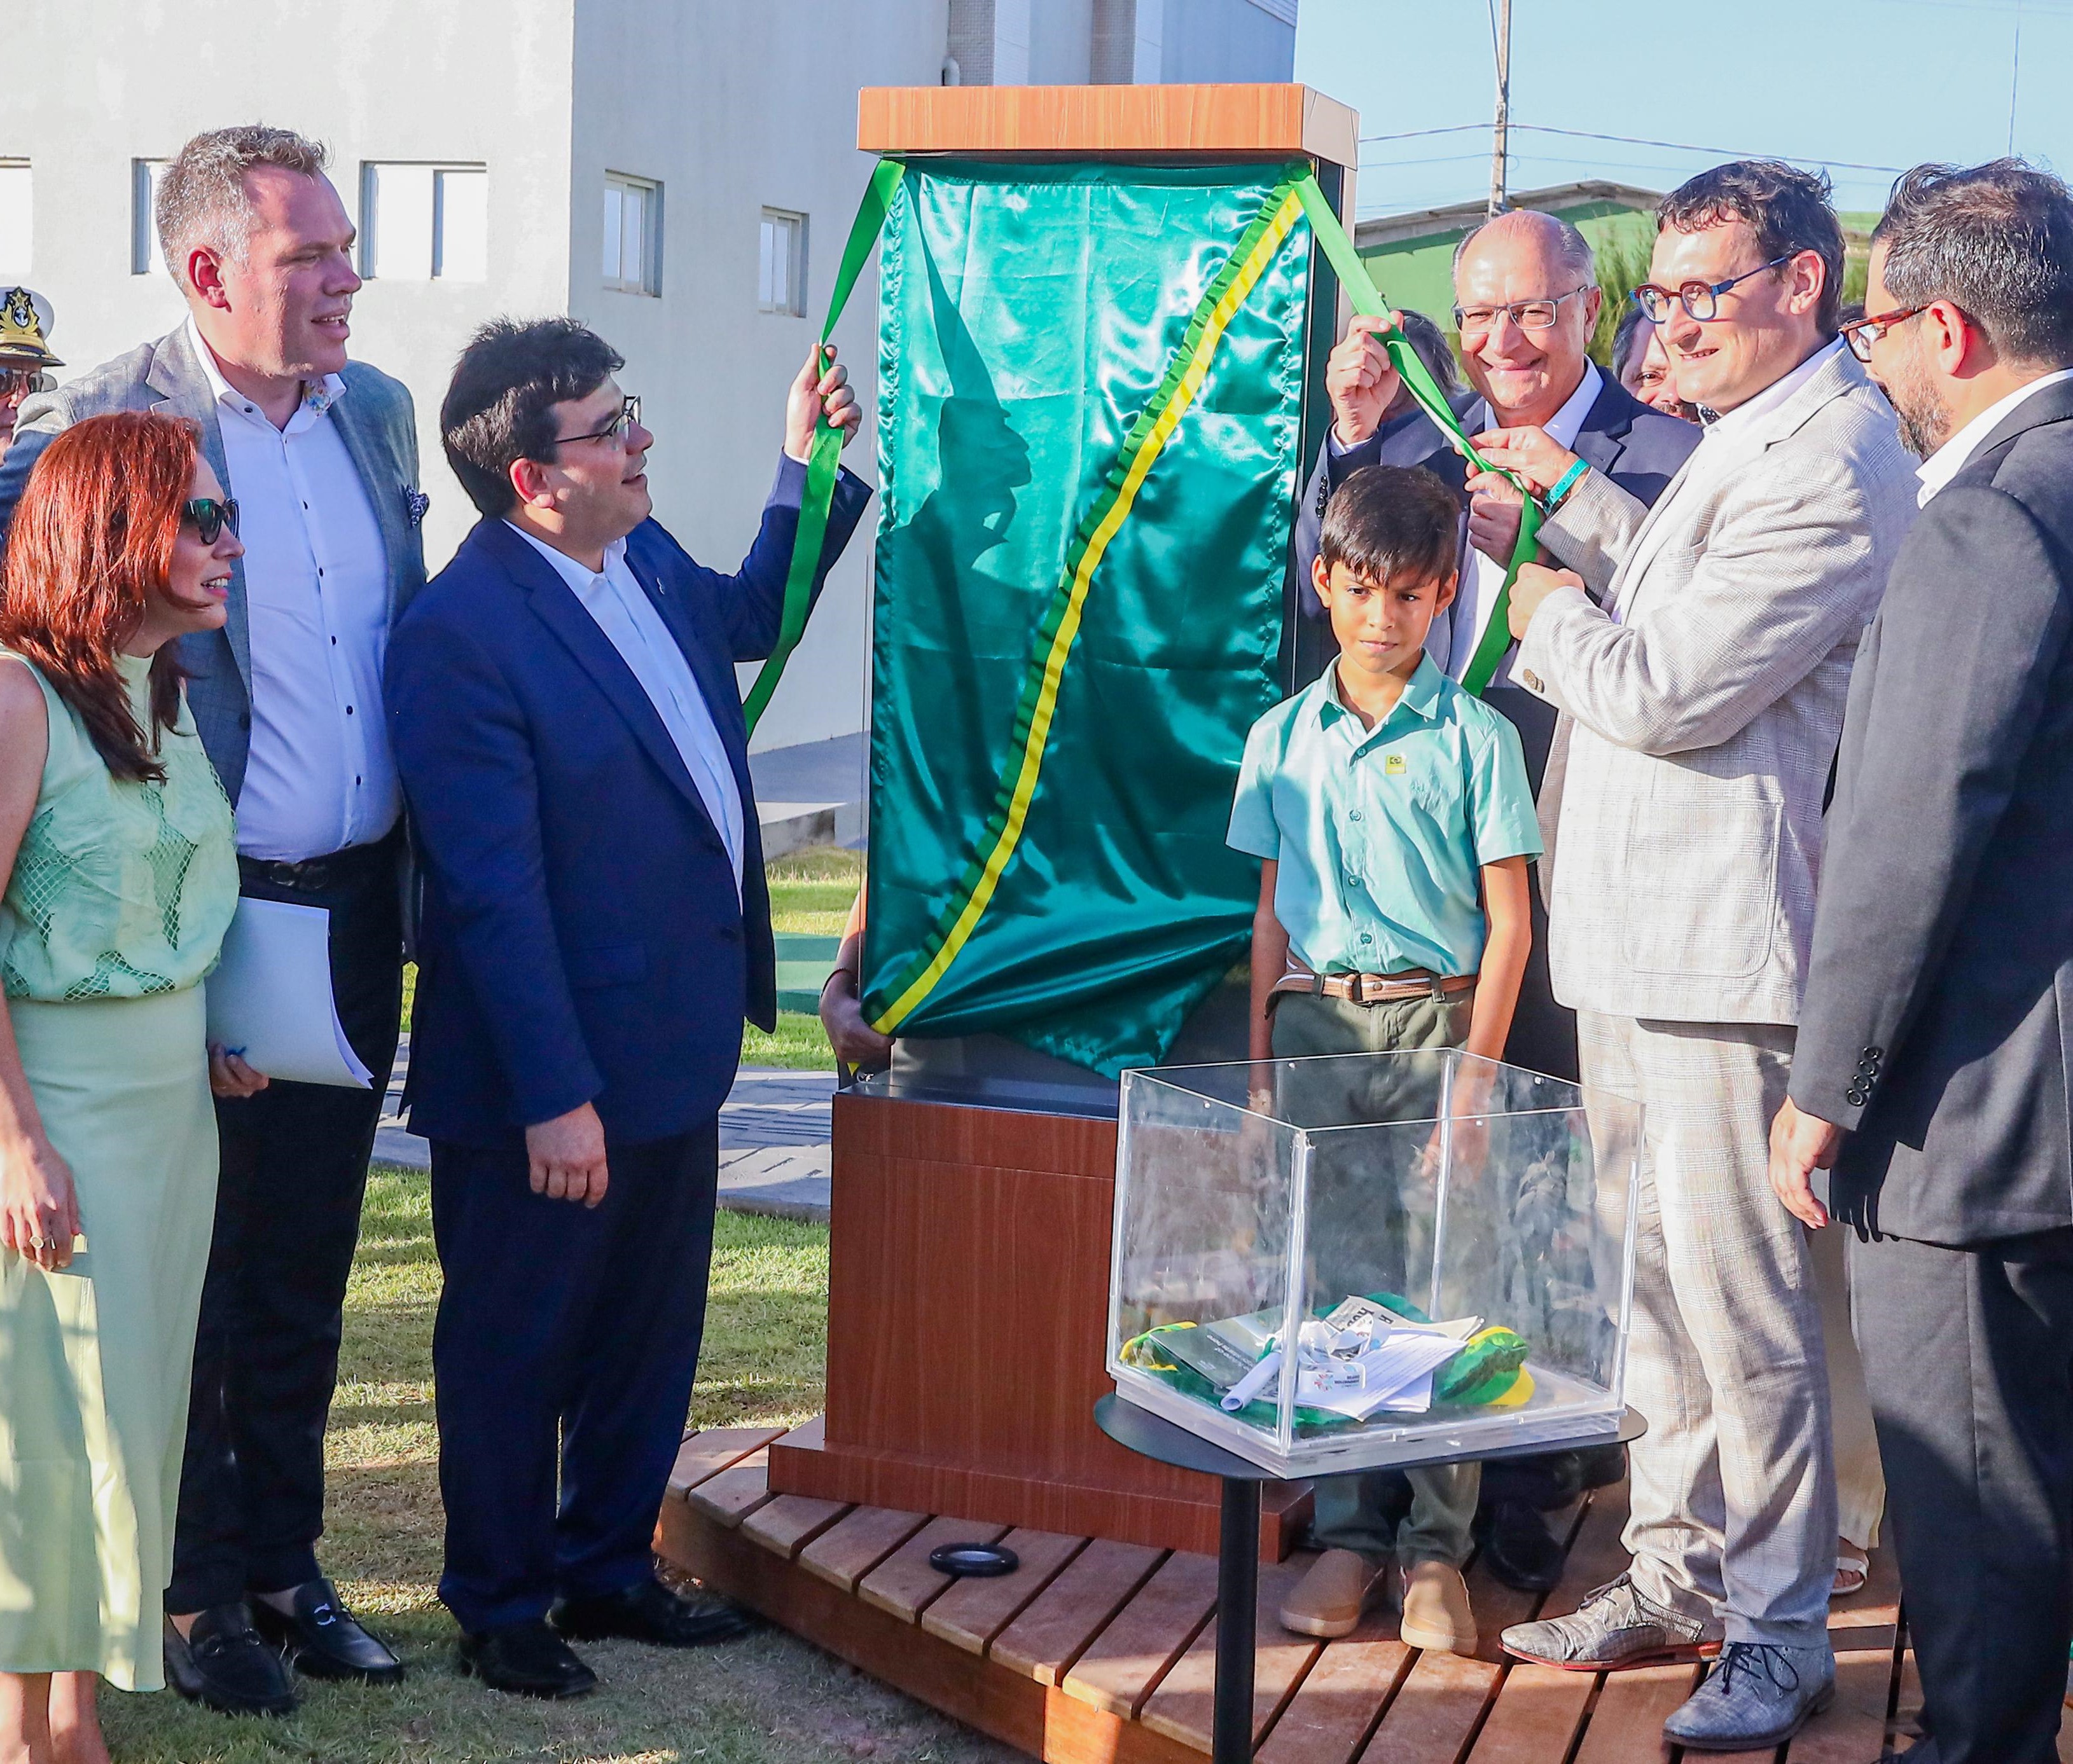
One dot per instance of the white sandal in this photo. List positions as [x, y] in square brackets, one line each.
[1853, 1567]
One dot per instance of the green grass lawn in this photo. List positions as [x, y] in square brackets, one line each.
[810, 891]
[813, 890]
[768, 1699]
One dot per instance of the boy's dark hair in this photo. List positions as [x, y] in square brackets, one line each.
[499, 409]
[1786, 208]
[1996, 241]
[1392, 522]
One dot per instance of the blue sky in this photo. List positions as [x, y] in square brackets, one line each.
[1884, 83]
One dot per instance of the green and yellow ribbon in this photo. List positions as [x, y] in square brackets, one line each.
[824, 459]
[1366, 297]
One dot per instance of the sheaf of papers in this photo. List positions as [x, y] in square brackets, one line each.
[270, 999]
[1360, 1361]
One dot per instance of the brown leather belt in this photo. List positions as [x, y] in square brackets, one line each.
[1371, 988]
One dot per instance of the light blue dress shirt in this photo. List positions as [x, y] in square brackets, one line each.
[616, 601]
[1381, 833]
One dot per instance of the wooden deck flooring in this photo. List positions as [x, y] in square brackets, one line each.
[1097, 1652]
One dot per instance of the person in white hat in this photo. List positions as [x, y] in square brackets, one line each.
[25, 352]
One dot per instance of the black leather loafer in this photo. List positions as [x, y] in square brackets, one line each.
[225, 1664]
[1519, 1551]
[526, 1659]
[650, 1612]
[320, 1637]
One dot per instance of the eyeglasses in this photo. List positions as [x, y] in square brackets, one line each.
[629, 413]
[210, 516]
[1527, 315]
[18, 382]
[1700, 299]
[1860, 335]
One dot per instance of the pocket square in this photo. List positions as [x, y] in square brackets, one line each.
[415, 503]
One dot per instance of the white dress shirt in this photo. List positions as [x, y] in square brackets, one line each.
[1952, 457]
[1725, 432]
[319, 776]
[623, 611]
[1480, 582]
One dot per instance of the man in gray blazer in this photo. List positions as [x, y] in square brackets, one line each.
[320, 456]
[1935, 1051]
[1705, 694]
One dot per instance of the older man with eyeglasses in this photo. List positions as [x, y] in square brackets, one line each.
[1704, 690]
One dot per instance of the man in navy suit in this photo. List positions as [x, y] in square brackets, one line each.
[594, 928]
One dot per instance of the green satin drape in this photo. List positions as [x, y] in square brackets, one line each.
[1029, 315]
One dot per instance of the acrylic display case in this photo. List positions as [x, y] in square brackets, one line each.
[1446, 1240]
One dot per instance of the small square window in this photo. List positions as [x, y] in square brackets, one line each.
[146, 175]
[461, 223]
[423, 223]
[633, 234]
[781, 272]
[16, 218]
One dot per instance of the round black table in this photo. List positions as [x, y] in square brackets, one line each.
[1237, 1543]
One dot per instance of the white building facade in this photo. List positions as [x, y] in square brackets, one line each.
[680, 175]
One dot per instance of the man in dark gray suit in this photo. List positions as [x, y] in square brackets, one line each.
[321, 454]
[1936, 1042]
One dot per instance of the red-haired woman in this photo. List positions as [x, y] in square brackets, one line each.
[121, 876]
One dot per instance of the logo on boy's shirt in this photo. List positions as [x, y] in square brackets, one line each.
[1393, 765]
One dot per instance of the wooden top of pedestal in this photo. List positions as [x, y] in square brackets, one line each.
[1047, 122]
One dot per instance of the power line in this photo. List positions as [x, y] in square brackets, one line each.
[1632, 141]
[1686, 147]
[1410, 134]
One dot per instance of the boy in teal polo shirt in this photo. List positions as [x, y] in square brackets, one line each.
[1394, 821]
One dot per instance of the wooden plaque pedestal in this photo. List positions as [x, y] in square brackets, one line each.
[967, 1304]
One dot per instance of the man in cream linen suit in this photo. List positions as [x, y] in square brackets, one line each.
[1704, 689]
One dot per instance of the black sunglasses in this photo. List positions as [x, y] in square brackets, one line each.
[210, 516]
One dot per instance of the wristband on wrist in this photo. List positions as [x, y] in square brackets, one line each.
[1566, 483]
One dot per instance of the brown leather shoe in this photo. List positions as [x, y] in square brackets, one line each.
[1341, 1586]
[1435, 1610]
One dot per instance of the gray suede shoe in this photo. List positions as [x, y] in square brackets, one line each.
[1613, 1628]
[1757, 1697]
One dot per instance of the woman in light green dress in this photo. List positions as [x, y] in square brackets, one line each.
[121, 877]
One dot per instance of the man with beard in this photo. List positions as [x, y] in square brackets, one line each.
[1932, 1068]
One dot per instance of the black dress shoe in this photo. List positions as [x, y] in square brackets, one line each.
[526, 1659]
[225, 1664]
[1518, 1550]
[647, 1611]
[320, 1637]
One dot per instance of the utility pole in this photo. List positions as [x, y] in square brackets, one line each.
[1502, 35]
[2015, 77]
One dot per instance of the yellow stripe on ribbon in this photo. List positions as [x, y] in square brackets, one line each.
[1191, 383]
